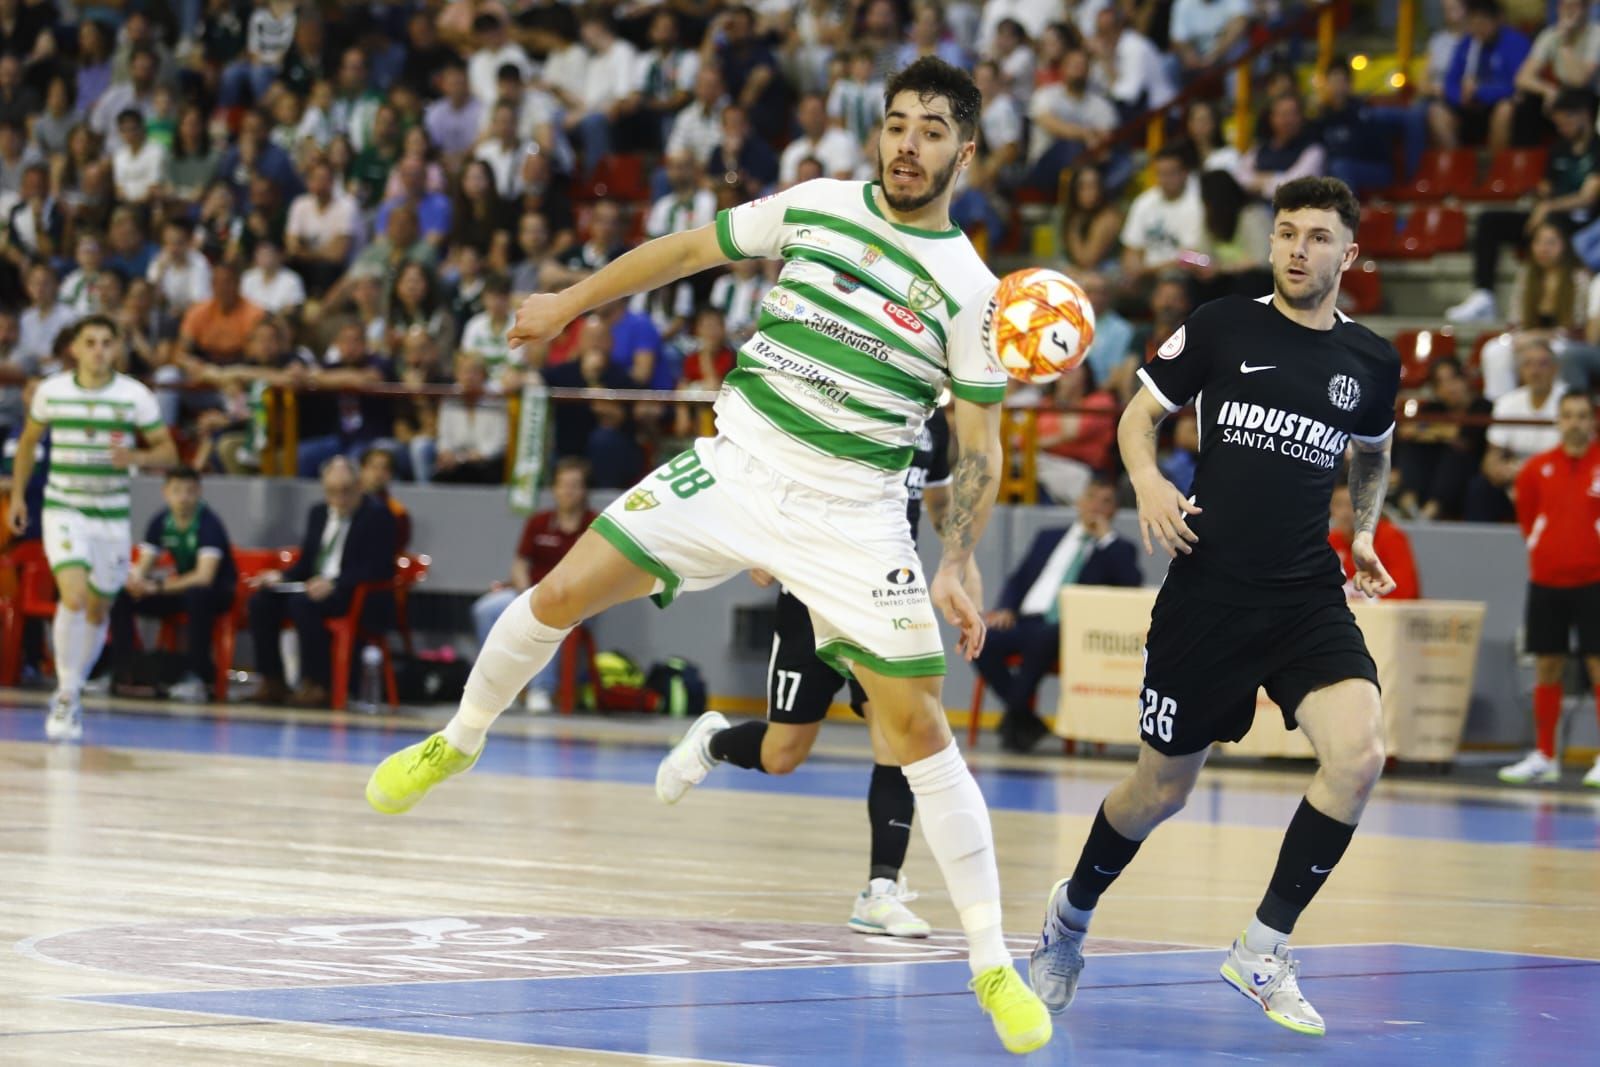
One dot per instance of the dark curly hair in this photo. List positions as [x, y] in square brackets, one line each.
[930, 77]
[1327, 194]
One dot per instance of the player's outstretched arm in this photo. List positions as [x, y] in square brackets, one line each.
[1161, 507]
[1369, 480]
[974, 479]
[650, 266]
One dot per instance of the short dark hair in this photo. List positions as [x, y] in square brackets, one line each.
[75, 331]
[1328, 194]
[931, 76]
[497, 283]
[130, 114]
[183, 473]
[1180, 152]
[1490, 8]
[375, 451]
[1576, 394]
[570, 463]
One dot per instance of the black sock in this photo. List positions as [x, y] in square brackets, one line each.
[890, 807]
[1104, 856]
[1312, 846]
[740, 745]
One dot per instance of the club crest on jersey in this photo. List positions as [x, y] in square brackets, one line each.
[904, 318]
[871, 255]
[846, 283]
[1343, 392]
[640, 500]
[1173, 345]
[923, 294]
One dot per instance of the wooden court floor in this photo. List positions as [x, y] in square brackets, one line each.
[215, 880]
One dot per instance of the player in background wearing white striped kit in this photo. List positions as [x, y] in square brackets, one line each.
[95, 416]
[879, 306]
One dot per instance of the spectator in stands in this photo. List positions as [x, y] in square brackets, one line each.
[473, 431]
[136, 90]
[139, 165]
[1550, 301]
[453, 121]
[35, 226]
[1180, 460]
[1169, 306]
[254, 155]
[1437, 460]
[979, 199]
[348, 540]
[1558, 510]
[599, 431]
[215, 330]
[180, 273]
[1359, 138]
[749, 69]
[77, 289]
[1014, 52]
[432, 208]
[320, 229]
[738, 295]
[1077, 436]
[1289, 151]
[1539, 397]
[1442, 49]
[546, 537]
[591, 80]
[1164, 220]
[268, 37]
[930, 36]
[708, 359]
[401, 245]
[1565, 55]
[494, 48]
[835, 149]
[416, 415]
[1203, 33]
[663, 80]
[1126, 66]
[271, 286]
[742, 163]
[377, 478]
[1482, 73]
[200, 584]
[1031, 19]
[1113, 334]
[44, 318]
[1091, 222]
[1026, 621]
[1570, 191]
[1391, 542]
[1069, 119]
[484, 335]
[1202, 129]
[697, 128]
[1232, 255]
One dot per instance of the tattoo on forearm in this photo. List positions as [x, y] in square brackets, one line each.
[1369, 479]
[971, 485]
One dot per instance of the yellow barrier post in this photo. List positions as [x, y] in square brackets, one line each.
[289, 434]
[514, 427]
[1326, 30]
[1405, 36]
[269, 450]
[1243, 123]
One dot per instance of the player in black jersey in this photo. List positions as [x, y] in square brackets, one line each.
[800, 688]
[1281, 386]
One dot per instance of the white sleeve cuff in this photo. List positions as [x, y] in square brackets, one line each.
[1155, 391]
[1378, 440]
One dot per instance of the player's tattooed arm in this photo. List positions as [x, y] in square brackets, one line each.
[974, 477]
[972, 481]
[1369, 480]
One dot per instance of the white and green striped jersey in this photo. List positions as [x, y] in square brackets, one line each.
[85, 424]
[869, 321]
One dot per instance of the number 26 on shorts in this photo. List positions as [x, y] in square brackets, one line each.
[1156, 721]
[685, 475]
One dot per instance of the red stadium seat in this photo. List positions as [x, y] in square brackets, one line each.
[1377, 233]
[1418, 349]
[1361, 291]
[33, 597]
[1513, 173]
[348, 634]
[977, 701]
[1442, 173]
[1430, 230]
[616, 177]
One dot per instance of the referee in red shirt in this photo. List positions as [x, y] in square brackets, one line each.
[1558, 507]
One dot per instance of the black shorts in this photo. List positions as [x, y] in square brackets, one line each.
[1554, 613]
[800, 687]
[1474, 123]
[1204, 662]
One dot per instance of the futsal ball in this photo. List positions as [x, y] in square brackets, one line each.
[1039, 324]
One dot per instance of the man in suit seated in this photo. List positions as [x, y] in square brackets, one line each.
[1026, 622]
[348, 539]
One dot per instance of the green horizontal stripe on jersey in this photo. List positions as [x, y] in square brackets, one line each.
[849, 403]
[810, 431]
[979, 394]
[122, 425]
[866, 277]
[861, 320]
[845, 359]
[88, 513]
[848, 228]
[90, 470]
[725, 236]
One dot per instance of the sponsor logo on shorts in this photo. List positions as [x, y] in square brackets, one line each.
[1172, 346]
[901, 576]
[910, 624]
[640, 500]
[904, 318]
[923, 294]
[903, 591]
[846, 283]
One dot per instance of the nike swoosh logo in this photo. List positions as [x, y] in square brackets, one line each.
[1102, 870]
[1246, 368]
[1320, 870]
[902, 825]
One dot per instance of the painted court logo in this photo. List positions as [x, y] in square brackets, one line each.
[1343, 392]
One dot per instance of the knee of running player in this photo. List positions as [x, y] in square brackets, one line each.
[911, 714]
[97, 608]
[1151, 798]
[72, 589]
[784, 748]
[1352, 759]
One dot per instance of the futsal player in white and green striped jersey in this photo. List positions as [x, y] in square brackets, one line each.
[880, 305]
[95, 417]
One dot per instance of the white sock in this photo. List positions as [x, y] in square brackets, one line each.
[68, 637]
[1263, 940]
[955, 823]
[518, 647]
[94, 642]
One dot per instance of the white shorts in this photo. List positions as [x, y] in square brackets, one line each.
[102, 547]
[716, 510]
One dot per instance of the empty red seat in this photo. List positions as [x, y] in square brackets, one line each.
[617, 177]
[1418, 349]
[1361, 291]
[1378, 230]
[1513, 173]
[1442, 173]
[1431, 229]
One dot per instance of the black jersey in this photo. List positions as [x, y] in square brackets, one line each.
[930, 466]
[1276, 404]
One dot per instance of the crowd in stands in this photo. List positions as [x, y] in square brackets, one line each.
[327, 197]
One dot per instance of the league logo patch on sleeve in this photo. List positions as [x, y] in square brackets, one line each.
[1172, 346]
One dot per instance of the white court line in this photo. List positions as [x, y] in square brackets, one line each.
[1497, 952]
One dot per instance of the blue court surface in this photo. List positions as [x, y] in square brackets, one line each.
[1438, 1006]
